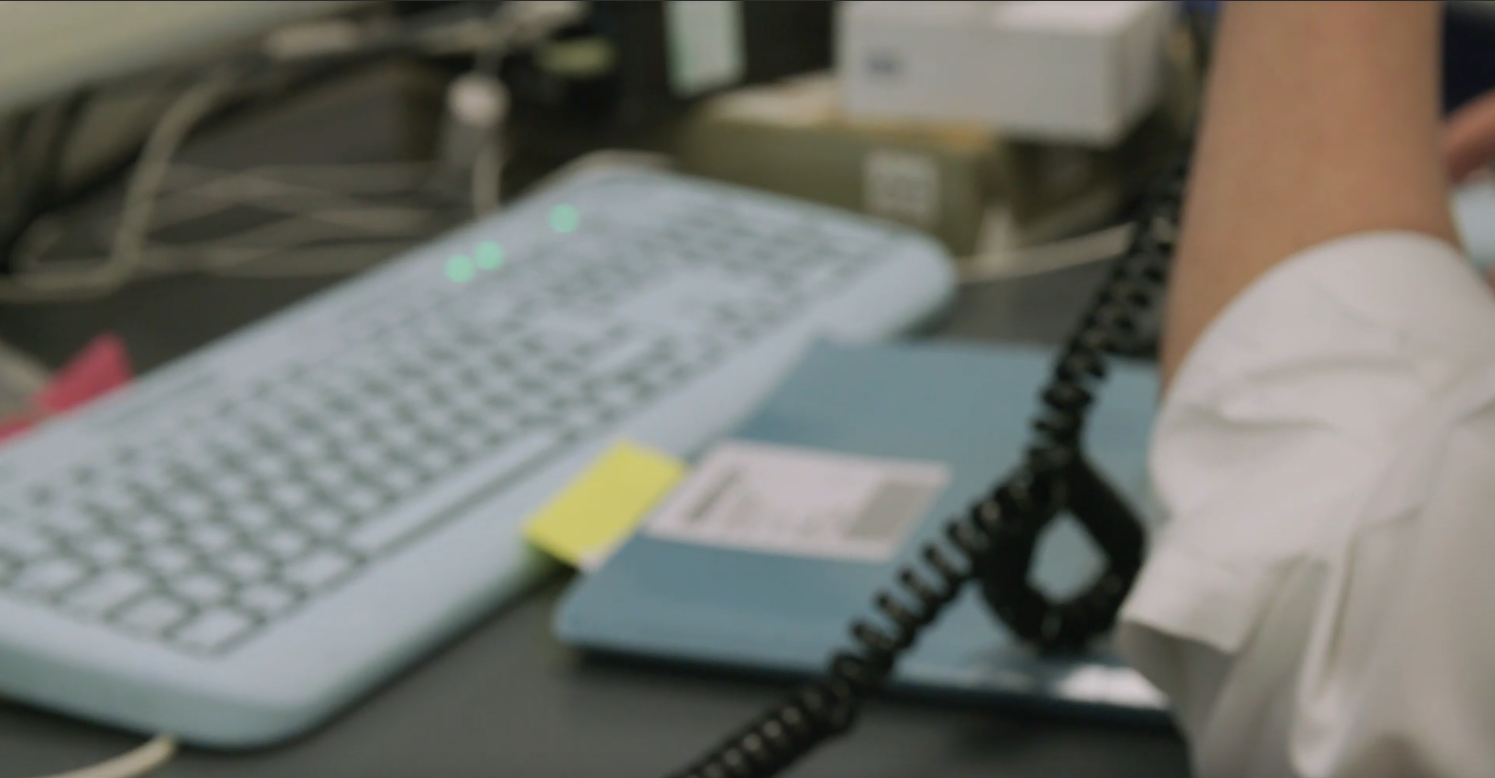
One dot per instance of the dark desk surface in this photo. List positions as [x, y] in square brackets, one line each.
[506, 699]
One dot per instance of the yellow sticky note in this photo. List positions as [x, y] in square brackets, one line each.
[603, 504]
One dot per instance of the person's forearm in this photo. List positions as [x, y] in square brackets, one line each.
[1321, 121]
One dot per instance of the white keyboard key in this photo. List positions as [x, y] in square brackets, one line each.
[318, 570]
[403, 480]
[382, 413]
[108, 590]
[290, 497]
[155, 478]
[232, 487]
[210, 538]
[621, 356]
[328, 475]
[169, 560]
[214, 629]
[24, 543]
[307, 446]
[495, 385]
[151, 529]
[68, 520]
[378, 534]
[155, 613]
[435, 460]
[233, 437]
[470, 404]
[275, 418]
[50, 576]
[365, 456]
[361, 500]
[187, 448]
[252, 516]
[443, 418]
[285, 544]
[105, 551]
[470, 442]
[190, 507]
[201, 588]
[401, 438]
[268, 467]
[115, 499]
[268, 600]
[618, 396]
[245, 565]
[579, 418]
[325, 522]
[345, 428]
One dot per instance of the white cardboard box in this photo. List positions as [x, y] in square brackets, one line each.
[1068, 71]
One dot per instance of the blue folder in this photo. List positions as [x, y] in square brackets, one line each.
[966, 406]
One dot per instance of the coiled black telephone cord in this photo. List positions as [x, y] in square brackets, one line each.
[995, 540]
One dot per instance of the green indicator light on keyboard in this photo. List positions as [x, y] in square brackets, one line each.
[459, 268]
[490, 255]
[564, 218]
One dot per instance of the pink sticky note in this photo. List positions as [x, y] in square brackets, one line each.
[14, 427]
[99, 369]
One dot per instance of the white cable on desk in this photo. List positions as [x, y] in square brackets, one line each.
[1091, 247]
[313, 196]
[130, 237]
[487, 177]
[312, 213]
[155, 162]
[139, 762]
[193, 193]
[471, 147]
[350, 179]
[512, 26]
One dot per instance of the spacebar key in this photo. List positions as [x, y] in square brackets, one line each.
[408, 518]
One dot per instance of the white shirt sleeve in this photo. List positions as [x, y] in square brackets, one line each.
[1317, 602]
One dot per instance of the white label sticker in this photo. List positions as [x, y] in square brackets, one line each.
[705, 45]
[902, 185]
[800, 501]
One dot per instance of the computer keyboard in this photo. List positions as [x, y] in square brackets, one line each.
[244, 541]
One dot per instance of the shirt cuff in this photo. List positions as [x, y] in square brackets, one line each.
[1307, 371]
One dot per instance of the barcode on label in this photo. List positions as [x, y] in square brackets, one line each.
[892, 507]
[785, 500]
